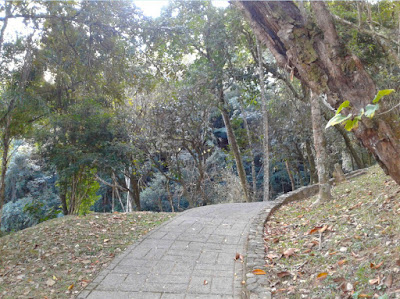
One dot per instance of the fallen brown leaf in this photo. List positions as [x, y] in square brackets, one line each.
[373, 281]
[238, 256]
[323, 229]
[389, 281]
[289, 252]
[322, 276]
[259, 272]
[283, 274]
[314, 230]
[272, 256]
[342, 262]
[373, 266]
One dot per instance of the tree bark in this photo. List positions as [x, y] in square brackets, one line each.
[347, 142]
[316, 54]
[170, 198]
[233, 144]
[320, 150]
[6, 139]
[311, 162]
[63, 198]
[265, 124]
[290, 175]
[253, 163]
[129, 195]
[136, 192]
[350, 146]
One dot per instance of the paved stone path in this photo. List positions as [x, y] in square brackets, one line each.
[191, 256]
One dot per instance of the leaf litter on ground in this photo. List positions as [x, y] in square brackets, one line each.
[60, 257]
[348, 247]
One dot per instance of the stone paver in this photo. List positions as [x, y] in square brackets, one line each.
[191, 256]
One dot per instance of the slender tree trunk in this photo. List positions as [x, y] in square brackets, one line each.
[233, 144]
[253, 163]
[290, 175]
[303, 162]
[265, 124]
[320, 150]
[7, 5]
[350, 147]
[112, 199]
[4, 164]
[136, 192]
[311, 162]
[347, 142]
[316, 54]
[186, 195]
[170, 199]
[129, 195]
[398, 36]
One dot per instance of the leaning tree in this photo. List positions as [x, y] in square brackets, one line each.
[306, 43]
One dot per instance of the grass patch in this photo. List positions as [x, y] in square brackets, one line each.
[59, 257]
[348, 247]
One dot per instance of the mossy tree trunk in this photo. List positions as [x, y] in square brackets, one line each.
[311, 49]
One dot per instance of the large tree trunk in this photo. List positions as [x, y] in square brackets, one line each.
[313, 51]
[265, 124]
[320, 150]
[233, 144]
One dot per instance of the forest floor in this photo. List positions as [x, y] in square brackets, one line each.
[346, 248]
[59, 257]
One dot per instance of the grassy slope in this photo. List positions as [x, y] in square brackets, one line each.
[58, 258]
[359, 256]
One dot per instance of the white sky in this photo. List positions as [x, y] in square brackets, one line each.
[152, 8]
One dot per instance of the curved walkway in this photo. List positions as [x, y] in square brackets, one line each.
[191, 256]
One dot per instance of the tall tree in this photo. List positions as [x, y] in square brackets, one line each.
[311, 49]
[199, 29]
[265, 123]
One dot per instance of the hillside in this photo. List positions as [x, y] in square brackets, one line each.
[348, 247]
[59, 257]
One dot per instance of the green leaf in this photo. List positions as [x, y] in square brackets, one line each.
[345, 104]
[382, 93]
[370, 110]
[351, 124]
[337, 119]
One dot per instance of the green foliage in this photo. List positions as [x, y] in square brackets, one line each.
[382, 93]
[352, 122]
[337, 119]
[82, 191]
